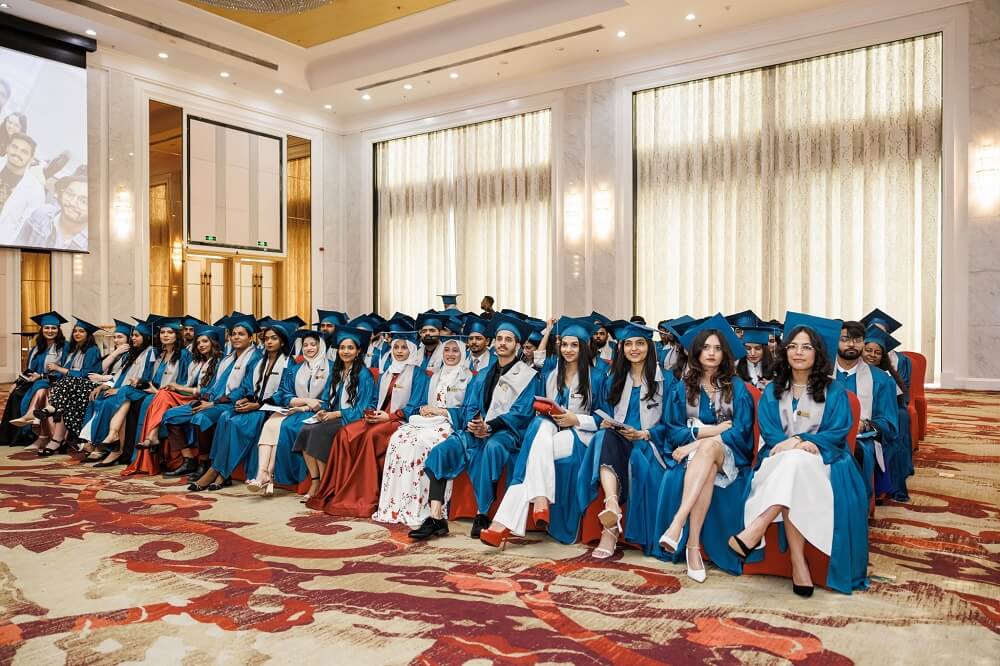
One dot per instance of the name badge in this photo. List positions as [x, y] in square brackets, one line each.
[802, 413]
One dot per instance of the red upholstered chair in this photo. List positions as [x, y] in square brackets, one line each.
[463, 499]
[917, 396]
[778, 563]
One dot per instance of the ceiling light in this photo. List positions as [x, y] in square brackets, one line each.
[328, 106]
[453, 75]
[163, 55]
[621, 33]
[408, 86]
[4, 5]
[690, 17]
[279, 91]
[91, 32]
[224, 75]
[366, 97]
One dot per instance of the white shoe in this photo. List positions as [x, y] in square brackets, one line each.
[668, 544]
[697, 575]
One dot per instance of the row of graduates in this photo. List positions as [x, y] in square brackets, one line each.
[669, 441]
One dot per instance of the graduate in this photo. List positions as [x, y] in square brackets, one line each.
[899, 458]
[399, 323]
[602, 348]
[877, 393]
[304, 390]
[742, 321]
[668, 350]
[435, 406]
[804, 477]
[481, 356]
[189, 324]
[32, 385]
[546, 468]
[429, 327]
[634, 392]
[756, 366]
[69, 391]
[495, 414]
[708, 451]
[900, 362]
[238, 429]
[111, 368]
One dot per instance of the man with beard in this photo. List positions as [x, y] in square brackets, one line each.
[477, 344]
[429, 326]
[876, 392]
[601, 346]
[187, 331]
[21, 192]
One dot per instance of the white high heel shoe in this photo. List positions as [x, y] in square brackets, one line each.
[668, 544]
[697, 575]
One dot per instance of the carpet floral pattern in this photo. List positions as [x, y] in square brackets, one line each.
[99, 569]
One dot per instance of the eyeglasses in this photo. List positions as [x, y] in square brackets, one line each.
[794, 346]
[844, 338]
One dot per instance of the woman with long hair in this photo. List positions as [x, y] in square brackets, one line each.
[303, 393]
[899, 456]
[709, 448]
[757, 365]
[31, 386]
[435, 407]
[238, 430]
[553, 447]
[634, 393]
[805, 477]
[14, 123]
[111, 369]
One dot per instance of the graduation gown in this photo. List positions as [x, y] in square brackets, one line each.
[883, 411]
[21, 395]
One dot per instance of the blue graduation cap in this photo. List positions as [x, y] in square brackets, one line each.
[332, 317]
[295, 320]
[410, 322]
[535, 337]
[745, 319]
[192, 322]
[430, 318]
[122, 327]
[284, 329]
[221, 321]
[757, 335]
[363, 322]
[360, 336]
[680, 325]
[86, 325]
[878, 318]
[721, 326]
[502, 321]
[623, 330]
[449, 300]
[457, 338]
[216, 334]
[167, 322]
[244, 321]
[827, 329]
[515, 313]
[581, 328]
[399, 323]
[454, 324]
[875, 334]
[143, 327]
[601, 320]
[374, 316]
[409, 336]
[52, 318]
[475, 324]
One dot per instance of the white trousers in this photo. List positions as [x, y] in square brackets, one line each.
[550, 444]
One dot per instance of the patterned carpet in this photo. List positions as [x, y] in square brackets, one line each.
[95, 569]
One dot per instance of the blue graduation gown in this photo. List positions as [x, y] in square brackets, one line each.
[154, 376]
[484, 458]
[36, 364]
[236, 434]
[849, 553]
[725, 513]
[884, 416]
[564, 512]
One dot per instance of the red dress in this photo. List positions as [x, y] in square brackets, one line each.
[353, 474]
[145, 462]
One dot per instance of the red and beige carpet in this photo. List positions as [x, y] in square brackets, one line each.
[96, 569]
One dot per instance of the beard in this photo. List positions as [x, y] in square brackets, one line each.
[850, 354]
[429, 340]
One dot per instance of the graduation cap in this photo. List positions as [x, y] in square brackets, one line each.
[775, 327]
[166, 322]
[410, 322]
[360, 336]
[143, 327]
[535, 337]
[600, 320]
[86, 325]
[828, 330]
[430, 318]
[878, 318]
[449, 300]
[245, 321]
[52, 318]
[721, 326]
[377, 317]
[745, 319]
[332, 317]
[502, 321]
[409, 336]
[623, 330]
[454, 324]
[756, 335]
[875, 334]
[285, 329]
[399, 323]
[536, 323]
[581, 328]
[216, 334]
[221, 321]
[122, 327]
[515, 313]
[363, 322]
[295, 320]
[681, 324]
[475, 324]
[191, 322]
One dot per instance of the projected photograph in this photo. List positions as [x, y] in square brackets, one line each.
[43, 153]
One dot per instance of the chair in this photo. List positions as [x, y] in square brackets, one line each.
[463, 500]
[779, 563]
[917, 395]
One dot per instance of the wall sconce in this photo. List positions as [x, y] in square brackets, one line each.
[573, 216]
[603, 215]
[77, 265]
[121, 214]
[988, 176]
[177, 255]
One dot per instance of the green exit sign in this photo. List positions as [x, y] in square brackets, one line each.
[210, 238]
[261, 243]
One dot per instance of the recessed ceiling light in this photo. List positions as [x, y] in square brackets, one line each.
[690, 17]
[328, 106]
[453, 75]
[91, 32]
[163, 55]
[621, 33]
[366, 97]
[279, 91]
[4, 5]
[224, 75]
[407, 86]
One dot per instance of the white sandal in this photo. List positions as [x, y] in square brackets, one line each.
[604, 553]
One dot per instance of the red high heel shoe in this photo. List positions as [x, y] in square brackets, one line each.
[541, 517]
[496, 539]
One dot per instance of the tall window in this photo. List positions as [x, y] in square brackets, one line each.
[813, 185]
[466, 210]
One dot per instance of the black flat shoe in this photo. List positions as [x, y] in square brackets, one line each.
[430, 527]
[187, 467]
[803, 590]
[100, 456]
[197, 473]
[480, 523]
[117, 460]
[195, 488]
[219, 486]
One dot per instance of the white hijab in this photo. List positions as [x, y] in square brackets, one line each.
[313, 373]
[395, 367]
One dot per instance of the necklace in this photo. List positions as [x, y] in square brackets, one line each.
[800, 385]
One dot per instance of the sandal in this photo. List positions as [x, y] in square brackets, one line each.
[305, 498]
[49, 451]
[604, 553]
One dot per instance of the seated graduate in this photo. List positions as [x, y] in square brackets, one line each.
[352, 477]
[742, 321]
[111, 368]
[69, 391]
[554, 435]
[435, 405]
[634, 391]
[328, 322]
[709, 449]
[238, 429]
[398, 323]
[481, 356]
[877, 393]
[757, 366]
[429, 327]
[899, 458]
[31, 387]
[495, 414]
[900, 362]
[804, 477]
[303, 392]
[667, 348]
[602, 348]
[189, 323]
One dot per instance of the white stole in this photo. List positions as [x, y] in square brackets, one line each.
[865, 388]
[400, 392]
[239, 370]
[273, 379]
[806, 418]
[455, 384]
[508, 388]
[650, 410]
[310, 380]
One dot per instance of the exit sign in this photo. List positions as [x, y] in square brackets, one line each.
[261, 243]
[210, 238]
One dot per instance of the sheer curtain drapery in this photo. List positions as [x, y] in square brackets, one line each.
[812, 185]
[466, 210]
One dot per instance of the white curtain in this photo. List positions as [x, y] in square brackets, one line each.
[811, 186]
[466, 210]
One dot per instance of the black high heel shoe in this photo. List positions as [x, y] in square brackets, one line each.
[803, 590]
[97, 455]
[49, 451]
[117, 460]
[42, 414]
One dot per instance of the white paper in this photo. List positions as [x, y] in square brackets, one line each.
[311, 419]
[610, 419]
[879, 456]
[273, 408]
